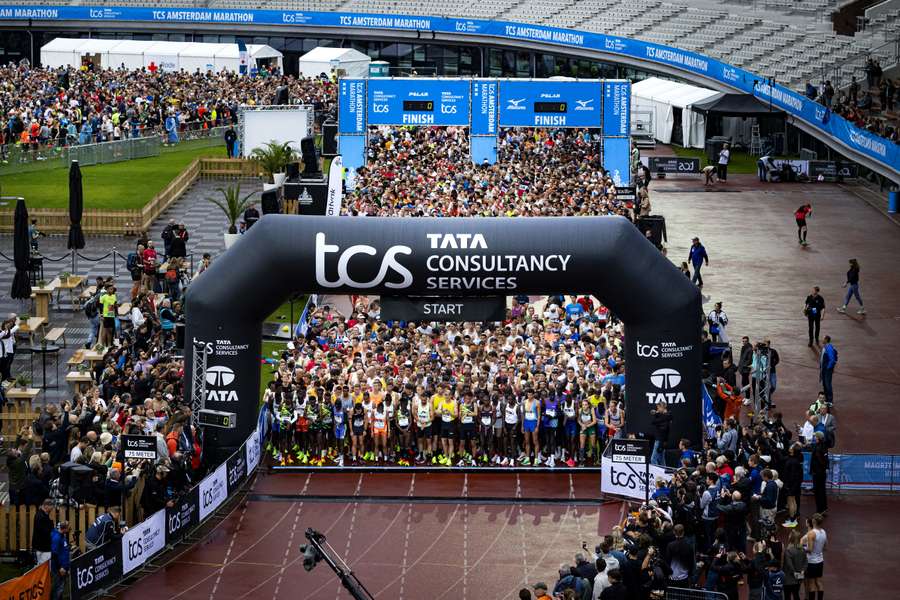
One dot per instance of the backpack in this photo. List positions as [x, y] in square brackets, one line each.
[90, 308]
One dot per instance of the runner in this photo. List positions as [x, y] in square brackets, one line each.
[569, 408]
[511, 415]
[551, 424]
[486, 430]
[404, 429]
[358, 430]
[339, 417]
[380, 427]
[587, 421]
[424, 418]
[467, 414]
[814, 542]
[530, 429]
[448, 411]
[615, 420]
[800, 215]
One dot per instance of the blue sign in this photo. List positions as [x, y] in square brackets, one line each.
[352, 106]
[550, 103]
[616, 104]
[484, 107]
[418, 102]
[617, 159]
[879, 149]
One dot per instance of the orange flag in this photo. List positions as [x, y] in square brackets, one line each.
[33, 585]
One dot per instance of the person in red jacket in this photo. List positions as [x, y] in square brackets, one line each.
[800, 215]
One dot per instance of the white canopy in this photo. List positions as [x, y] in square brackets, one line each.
[323, 60]
[167, 56]
[661, 96]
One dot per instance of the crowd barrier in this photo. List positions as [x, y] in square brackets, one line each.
[881, 151]
[105, 566]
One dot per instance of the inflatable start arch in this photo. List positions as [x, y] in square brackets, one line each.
[603, 256]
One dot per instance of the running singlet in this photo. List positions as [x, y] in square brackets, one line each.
[403, 418]
[550, 409]
[531, 415]
[586, 417]
[569, 411]
[615, 418]
[447, 407]
[424, 415]
[512, 414]
[379, 422]
[467, 415]
[487, 416]
[338, 415]
[359, 420]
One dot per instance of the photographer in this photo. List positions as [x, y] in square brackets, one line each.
[729, 568]
[158, 493]
[735, 510]
[105, 528]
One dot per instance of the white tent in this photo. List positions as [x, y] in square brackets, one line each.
[167, 56]
[662, 96]
[323, 60]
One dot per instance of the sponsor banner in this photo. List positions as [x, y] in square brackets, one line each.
[226, 356]
[480, 309]
[634, 452]
[139, 446]
[629, 480]
[418, 101]
[33, 585]
[253, 450]
[335, 187]
[866, 472]
[352, 106]
[484, 107]
[617, 160]
[794, 103]
[616, 108]
[799, 167]
[674, 165]
[550, 103]
[213, 491]
[95, 570]
[832, 170]
[141, 542]
[626, 194]
[182, 517]
[237, 469]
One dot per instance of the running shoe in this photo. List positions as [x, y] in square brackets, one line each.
[504, 462]
[472, 462]
[461, 463]
[551, 461]
[434, 460]
[861, 311]
[570, 463]
[526, 462]
[484, 458]
[523, 458]
[842, 309]
[340, 460]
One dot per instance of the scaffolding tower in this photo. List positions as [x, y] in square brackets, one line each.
[198, 381]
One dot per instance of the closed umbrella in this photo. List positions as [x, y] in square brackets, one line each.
[76, 207]
[21, 287]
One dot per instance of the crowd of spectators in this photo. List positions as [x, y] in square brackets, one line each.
[61, 107]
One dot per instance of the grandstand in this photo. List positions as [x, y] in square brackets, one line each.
[791, 42]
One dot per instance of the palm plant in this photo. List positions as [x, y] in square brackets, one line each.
[273, 157]
[232, 204]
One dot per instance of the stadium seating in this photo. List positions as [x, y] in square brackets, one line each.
[789, 40]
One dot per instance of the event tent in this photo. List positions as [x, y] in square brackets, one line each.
[323, 60]
[735, 105]
[668, 101]
[167, 56]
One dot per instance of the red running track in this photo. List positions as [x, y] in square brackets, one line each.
[455, 546]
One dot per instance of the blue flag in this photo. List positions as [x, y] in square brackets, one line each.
[303, 324]
[710, 418]
[244, 57]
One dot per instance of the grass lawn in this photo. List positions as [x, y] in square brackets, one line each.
[116, 186]
[741, 162]
[265, 370]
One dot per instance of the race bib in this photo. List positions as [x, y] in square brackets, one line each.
[551, 412]
[447, 418]
[467, 419]
[402, 421]
[570, 412]
[530, 416]
[486, 420]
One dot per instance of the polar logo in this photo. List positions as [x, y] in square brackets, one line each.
[219, 376]
[388, 263]
[515, 104]
[665, 379]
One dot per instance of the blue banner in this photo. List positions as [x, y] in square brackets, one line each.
[352, 103]
[616, 160]
[484, 107]
[794, 103]
[616, 105]
[418, 101]
[550, 103]
[867, 471]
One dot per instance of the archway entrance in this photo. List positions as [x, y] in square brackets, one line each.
[603, 256]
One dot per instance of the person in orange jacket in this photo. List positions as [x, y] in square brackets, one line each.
[733, 400]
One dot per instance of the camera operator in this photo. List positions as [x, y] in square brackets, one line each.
[654, 575]
[106, 528]
[158, 493]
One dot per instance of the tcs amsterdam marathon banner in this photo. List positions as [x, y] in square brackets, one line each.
[33, 585]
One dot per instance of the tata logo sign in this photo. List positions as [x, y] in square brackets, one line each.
[380, 108]
[220, 376]
[389, 265]
[665, 381]
[626, 479]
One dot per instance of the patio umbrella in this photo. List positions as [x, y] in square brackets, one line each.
[76, 207]
[21, 287]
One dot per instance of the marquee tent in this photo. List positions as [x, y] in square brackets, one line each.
[167, 56]
[666, 99]
[323, 60]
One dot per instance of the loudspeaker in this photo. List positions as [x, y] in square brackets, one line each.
[270, 202]
[281, 95]
[293, 171]
[329, 139]
[80, 483]
[311, 196]
[179, 336]
[65, 475]
[310, 158]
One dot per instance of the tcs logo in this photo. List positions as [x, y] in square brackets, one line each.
[388, 263]
[135, 549]
[625, 479]
[647, 351]
[84, 577]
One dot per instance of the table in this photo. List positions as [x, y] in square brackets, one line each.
[71, 284]
[81, 381]
[44, 350]
[31, 325]
[92, 356]
[42, 297]
[17, 393]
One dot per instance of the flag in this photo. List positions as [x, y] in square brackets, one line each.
[244, 57]
[710, 418]
[303, 324]
[335, 188]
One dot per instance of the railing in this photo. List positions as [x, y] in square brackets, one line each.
[678, 593]
[16, 522]
[130, 222]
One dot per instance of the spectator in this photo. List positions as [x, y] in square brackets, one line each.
[616, 589]
[601, 580]
[818, 468]
[105, 528]
[697, 256]
[814, 310]
[42, 532]
[540, 591]
[795, 564]
[59, 561]
[827, 362]
[724, 159]
[852, 286]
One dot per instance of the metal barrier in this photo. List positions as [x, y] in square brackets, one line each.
[677, 593]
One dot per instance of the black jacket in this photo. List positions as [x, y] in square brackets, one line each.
[40, 536]
[792, 475]
[661, 424]
[745, 362]
[681, 551]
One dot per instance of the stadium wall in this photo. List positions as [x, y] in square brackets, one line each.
[875, 152]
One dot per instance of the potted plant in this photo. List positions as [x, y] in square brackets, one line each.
[42, 283]
[23, 381]
[64, 277]
[233, 205]
[81, 368]
[273, 158]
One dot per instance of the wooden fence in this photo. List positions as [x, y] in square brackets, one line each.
[131, 222]
[16, 522]
[17, 414]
